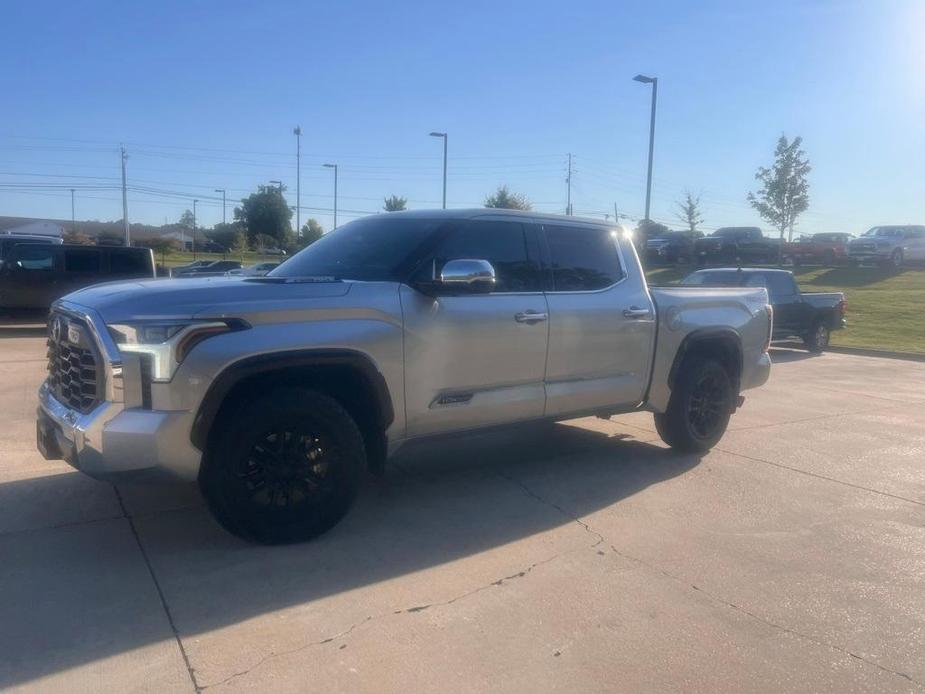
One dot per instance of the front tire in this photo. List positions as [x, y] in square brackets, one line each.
[699, 409]
[284, 467]
[818, 338]
[896, 259]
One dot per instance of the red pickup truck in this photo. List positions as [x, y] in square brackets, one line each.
[818, 249]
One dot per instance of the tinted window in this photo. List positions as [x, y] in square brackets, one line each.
[81, 261]
[32, 258]
[128, 263]
[583, 258]
[714, 279]
[780, 284]
[370, 249]
[503, 244]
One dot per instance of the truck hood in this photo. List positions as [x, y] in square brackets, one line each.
[188, 298]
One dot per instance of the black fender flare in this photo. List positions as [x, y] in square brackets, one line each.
[271, 362]
[699, 336]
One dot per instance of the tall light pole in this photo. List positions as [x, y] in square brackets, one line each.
[568, 180]
[644, 79]
[73, 218]
[279, 185]
[222, 191]
[128, 240]
[334, 166]
[443, 135]
[194, 229]
[297, 131]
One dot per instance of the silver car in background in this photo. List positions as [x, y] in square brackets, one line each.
[889, 245]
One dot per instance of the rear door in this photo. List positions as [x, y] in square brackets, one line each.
[914, 245]
[601, 321]
[473, 360]
[81, 267]
[129, 263]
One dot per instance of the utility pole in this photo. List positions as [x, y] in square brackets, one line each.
[568, 205]
[128, 239]
[616, 215]
[194, 229]
[334, 166]
[444, 136]
[73, 218]
[222, 191]
[298, 182]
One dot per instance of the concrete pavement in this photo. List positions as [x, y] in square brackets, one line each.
[570, 557]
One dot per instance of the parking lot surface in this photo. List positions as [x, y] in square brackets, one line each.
[571, 557]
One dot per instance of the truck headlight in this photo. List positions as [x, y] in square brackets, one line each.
[168, 343]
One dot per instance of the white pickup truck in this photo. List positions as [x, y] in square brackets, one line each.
[276, 392]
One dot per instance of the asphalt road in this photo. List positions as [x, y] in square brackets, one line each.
[571, 557]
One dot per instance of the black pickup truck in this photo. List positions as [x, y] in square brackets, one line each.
[736, 245]
[808, 316]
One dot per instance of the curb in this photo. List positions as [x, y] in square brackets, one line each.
[883, 354]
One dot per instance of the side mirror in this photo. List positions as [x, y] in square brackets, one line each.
[477, 276]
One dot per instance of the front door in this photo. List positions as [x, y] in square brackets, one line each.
[474, 360]
[601, 322]
[30, 277]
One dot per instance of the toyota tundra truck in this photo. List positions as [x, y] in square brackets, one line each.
[275, 393]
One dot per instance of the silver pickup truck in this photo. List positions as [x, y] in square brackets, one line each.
[276, 392]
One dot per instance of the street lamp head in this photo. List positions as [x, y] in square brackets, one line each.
[330, 166]
[645, 79]
[435, 134]
[297, 130]
[219, 190]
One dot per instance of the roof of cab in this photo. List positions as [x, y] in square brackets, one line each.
[472, 213]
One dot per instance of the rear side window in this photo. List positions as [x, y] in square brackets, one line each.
[503, 244]
[128, 263]
[780, 284]
[34, 258]
[81, 261]
[583, 258]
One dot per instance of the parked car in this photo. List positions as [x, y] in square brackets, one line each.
[209, 269]
[276, 392]
[258, 270]
[889, 245]
[183, 269]
[737, 244]
[808, 316]
[33, 275]
[672, 247]
[823, 249]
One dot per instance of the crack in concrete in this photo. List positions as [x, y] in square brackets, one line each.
[715, 598]
[820, 477]
[408, 610]
[160, 593]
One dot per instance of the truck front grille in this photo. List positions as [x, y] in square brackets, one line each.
[74, 368]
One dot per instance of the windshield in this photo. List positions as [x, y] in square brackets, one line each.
[884, 231]
[370, 249]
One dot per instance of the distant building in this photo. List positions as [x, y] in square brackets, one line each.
[36, 227]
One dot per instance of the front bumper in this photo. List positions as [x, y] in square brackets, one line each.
[113, 442]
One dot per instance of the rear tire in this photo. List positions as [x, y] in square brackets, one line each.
[818, 338]
[700, 407]
[284, 467]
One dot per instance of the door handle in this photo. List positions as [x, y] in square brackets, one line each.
[530, 317]
[636, 312]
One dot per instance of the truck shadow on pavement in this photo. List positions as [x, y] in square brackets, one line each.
[79, 594]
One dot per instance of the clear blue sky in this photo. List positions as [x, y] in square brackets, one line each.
[205, 95]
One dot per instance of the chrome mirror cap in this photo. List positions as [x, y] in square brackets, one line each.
[468, 273]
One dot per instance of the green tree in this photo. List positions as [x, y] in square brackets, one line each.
[311, 232]
[689, 211]
[266, 212]
[223, 234]
[239, 244]
[187, 219]
[784, 193]
[396, 203]
[504, 198]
